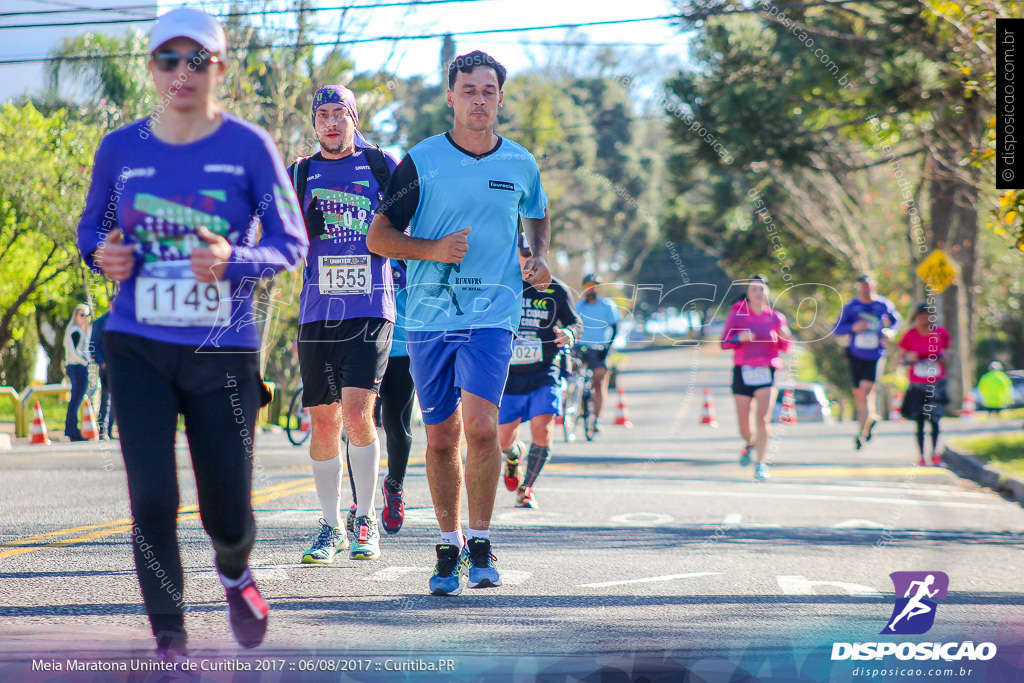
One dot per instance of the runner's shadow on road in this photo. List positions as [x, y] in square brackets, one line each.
[399, 609]
[710, 538]
[66, 573]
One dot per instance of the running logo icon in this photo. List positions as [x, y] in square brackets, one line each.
[914, 613]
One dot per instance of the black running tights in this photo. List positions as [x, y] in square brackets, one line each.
[920, 434]
[219, 396]
[396, 396]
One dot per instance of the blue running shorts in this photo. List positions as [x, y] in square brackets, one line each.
[546, 400]
[443, 363]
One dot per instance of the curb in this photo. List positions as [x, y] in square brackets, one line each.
[969, 467]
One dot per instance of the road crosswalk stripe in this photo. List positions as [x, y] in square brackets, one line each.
[649, 579]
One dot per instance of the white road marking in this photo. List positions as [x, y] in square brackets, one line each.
[286, 514]
[799, 585]
[273, 572]
[509, 577]
[420, 515]
[398, 573]
[642, 518]
[732, 519]
[858, 524]
[649, 579]
[748, 494]
[527, 515]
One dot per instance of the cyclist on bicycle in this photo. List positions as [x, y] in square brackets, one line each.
[533, 390]
[600, 323]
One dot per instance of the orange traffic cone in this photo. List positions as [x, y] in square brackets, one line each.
[622, 419]
[39, 434]
[304, 420]
[788, 415]
[89, 432]
[708, 413]
[894, 408]
[967, 409]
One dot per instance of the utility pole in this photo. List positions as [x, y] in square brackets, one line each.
[447, 57]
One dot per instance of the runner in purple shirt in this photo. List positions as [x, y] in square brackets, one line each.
[346, 319]
[173, 213]
[869, 320]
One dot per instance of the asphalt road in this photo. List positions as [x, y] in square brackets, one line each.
[650, 544]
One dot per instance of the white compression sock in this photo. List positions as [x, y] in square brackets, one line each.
[478, 533]
[327, 476]
[364, 462]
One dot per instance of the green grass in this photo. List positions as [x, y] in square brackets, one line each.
[1004, 453]
[54, 408]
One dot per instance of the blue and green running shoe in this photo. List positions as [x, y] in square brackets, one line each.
[483, 572]
[451, 567]
[366, 543]
[761, 471]
[745, 455]
[328, 541]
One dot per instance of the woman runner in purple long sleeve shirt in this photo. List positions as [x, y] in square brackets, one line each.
[173, 213]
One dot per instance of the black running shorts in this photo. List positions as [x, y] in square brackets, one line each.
[740, 388]
[348, 353]
[862, 370]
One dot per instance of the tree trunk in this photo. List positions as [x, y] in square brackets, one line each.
[954, 229]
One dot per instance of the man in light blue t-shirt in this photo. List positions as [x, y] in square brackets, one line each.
[452, 210]
[600, 323]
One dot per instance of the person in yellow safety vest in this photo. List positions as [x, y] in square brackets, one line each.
[995, 388]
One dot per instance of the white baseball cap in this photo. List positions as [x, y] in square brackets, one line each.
[185, 22]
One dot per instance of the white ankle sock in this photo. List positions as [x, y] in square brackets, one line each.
[364, 462]
[477, 533]
[234, 583]
[327, 477]
[453, 538]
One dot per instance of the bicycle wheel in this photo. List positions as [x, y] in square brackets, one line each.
[587, 413]
[571, 409]
[293, 421]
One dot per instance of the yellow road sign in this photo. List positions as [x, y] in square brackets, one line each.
[937, 271]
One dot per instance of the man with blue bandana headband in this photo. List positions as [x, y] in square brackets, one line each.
[339, 94]
[347, 312]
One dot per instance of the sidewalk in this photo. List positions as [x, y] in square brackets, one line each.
[967, 466]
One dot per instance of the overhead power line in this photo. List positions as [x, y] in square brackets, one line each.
[693, 16]
[426, 36]
[228, 15]
[92, 10]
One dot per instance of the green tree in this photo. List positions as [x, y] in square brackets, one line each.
[827, 107]
[44, 170]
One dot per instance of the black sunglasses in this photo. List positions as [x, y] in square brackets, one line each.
[200, 61]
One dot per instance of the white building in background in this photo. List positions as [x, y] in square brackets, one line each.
[39, 42]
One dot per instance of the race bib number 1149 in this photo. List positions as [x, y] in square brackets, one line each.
[168, 295]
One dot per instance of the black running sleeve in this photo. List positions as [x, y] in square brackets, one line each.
[402, 195]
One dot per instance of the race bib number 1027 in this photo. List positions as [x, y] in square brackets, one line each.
[526, 351]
